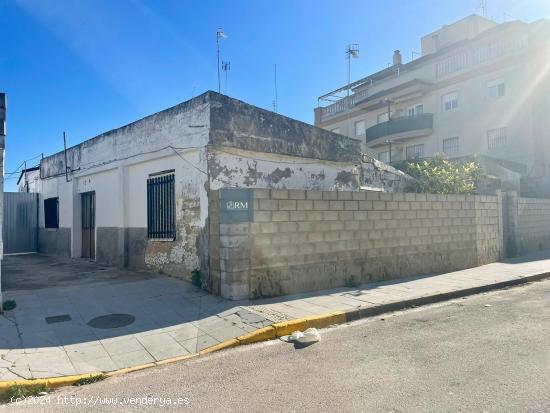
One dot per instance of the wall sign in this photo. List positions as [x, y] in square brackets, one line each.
[236, 205]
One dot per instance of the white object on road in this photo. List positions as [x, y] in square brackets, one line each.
[310, 336]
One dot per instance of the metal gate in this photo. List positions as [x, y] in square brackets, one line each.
[20, 227]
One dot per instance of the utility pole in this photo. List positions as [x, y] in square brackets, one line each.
[219, 35]
[3, 107]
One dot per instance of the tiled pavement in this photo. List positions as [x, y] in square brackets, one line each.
[173, 318]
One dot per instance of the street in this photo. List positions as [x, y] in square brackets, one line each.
[484, 353]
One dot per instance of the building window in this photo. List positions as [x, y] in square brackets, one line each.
[161, 206]
[415, 152]
[495, 89]
[415, 110]
[335, 130]
[450, 101]
[51, 213]
[360, 128]
[450, 146]
[384, 156]
[496, 138]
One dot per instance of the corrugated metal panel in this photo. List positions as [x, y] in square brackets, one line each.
[20, 228]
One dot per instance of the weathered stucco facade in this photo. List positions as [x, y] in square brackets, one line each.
[209, 142]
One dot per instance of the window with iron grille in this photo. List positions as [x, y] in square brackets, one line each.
[51, 213]
[415, 152]
[450, 146]
[496, 138]
[161, 206]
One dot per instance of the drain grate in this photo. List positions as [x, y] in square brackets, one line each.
[112, 321]
[58, 318]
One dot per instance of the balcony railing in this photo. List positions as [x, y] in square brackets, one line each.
[343, 104]
[400, 125]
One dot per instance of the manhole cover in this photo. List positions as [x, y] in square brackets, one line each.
[112, 321]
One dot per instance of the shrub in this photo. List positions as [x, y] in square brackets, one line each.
[19, 392]
[196, 278]
[9, 305]
[441, 176]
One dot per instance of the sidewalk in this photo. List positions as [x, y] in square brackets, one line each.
[173, 318]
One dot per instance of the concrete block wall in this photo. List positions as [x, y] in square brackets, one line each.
[532, 232]
[301, 241]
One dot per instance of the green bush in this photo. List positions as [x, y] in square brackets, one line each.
[441, 176]
[19, 392]
[196, 278]
[9, 305]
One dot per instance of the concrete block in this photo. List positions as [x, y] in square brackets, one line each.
[351, 205]
[314, 215]
[330, 195]
[296, 194]
[260, 193]
[330, 215]
[262, 216]
[404, 205]
[373, 196]
[277, 216]
[346, 215]
[288, 204]
[314, 195]
[321, 205]
[298, 215]
[344, 195]
[359, 196]
[379, 205]
[268, 205]
[279, 194]
[336, 205]
[304, 205]
[365, 205]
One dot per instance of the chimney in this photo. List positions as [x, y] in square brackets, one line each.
[396, 57]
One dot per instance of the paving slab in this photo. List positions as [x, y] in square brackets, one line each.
[174, 318]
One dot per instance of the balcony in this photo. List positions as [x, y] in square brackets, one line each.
[400, 128]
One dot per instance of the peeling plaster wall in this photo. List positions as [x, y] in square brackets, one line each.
[377, 175]
[231, 167]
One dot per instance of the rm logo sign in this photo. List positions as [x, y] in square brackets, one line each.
[236, 205]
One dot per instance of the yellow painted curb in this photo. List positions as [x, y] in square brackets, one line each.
[51, 382]
[232, 342]
[262, 334]
[285, 328]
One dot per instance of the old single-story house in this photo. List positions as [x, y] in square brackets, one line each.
[137, 196]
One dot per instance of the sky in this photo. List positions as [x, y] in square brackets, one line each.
[89, 66]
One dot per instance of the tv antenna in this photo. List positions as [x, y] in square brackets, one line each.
[352, 51]
[276, 97]
[226, 67]
[482, 7]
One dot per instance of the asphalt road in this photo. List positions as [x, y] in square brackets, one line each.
[486, 353]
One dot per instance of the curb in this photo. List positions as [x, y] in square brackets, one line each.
[283, 328]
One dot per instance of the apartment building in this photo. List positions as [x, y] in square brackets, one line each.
[479, 87]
